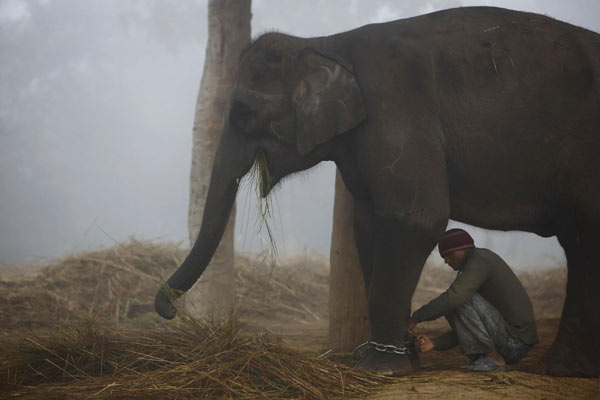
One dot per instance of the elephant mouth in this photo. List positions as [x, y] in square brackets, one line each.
[262, 174]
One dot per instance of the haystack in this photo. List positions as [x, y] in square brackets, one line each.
[194, 359]
[118, 285]
[85, 327]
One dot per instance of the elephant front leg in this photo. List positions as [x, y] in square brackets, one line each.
[400, 252]
[363, 237]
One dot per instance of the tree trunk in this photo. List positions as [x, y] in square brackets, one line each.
[348, 315]
[228, 35]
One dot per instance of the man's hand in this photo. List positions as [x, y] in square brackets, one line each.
[410, 327]
[424, 344]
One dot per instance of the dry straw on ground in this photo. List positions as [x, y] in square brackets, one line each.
[124, 354]
[118, 284]
[110, 359]
[111, 284]
[195, 359]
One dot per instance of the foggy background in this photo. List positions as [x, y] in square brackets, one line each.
[96, 108]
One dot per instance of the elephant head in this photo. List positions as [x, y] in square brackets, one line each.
[289, 102]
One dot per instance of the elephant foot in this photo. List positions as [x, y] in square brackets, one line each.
[163, 303]
[562, 360]
[389, 364]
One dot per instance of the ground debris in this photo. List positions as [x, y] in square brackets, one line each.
[85, 327]
[190, 359]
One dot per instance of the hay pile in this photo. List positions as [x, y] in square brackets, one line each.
[110, 285]
[113, 357]
[118, 285]
[100, 335]
[297, 289]
[192, 360]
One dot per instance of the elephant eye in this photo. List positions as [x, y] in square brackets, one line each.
[272, 56]
[259, 76]
[241, 115]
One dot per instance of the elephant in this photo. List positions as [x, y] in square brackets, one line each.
[481, 115]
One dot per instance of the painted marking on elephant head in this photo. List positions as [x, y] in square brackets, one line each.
[312, 103]
[261, 95]
[493, 28]
[350, 84]
[392, 167]
[273, 125]
[331, 77]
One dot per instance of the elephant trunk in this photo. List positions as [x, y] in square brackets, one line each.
[232, 161]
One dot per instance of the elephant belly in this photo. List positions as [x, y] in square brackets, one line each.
[503, 215]
[538, 189]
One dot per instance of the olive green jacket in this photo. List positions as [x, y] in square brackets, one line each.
[484, 272]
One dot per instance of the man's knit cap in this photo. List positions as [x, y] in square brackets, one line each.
[455, 239]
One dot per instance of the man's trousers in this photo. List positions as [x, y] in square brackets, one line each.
[481, 329]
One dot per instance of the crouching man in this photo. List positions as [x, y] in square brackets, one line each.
[487, 307]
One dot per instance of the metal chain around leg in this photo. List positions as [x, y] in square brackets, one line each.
[384, 348]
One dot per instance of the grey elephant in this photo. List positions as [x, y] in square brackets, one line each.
[483, 115]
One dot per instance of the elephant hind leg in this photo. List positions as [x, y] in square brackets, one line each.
[576, 349]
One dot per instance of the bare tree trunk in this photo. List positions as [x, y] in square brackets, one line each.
[348, 315]
[228, 34]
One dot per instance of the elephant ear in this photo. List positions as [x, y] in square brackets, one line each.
[328, 100]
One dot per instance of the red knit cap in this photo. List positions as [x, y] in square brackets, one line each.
[455, 239]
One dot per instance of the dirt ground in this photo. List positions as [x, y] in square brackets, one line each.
[441, 378]
[288, 301]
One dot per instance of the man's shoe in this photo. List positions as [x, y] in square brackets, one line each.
[484, 364]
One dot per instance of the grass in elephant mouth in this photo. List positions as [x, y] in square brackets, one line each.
[192, 359]
[261, 180]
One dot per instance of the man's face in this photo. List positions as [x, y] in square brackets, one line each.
[455, 258]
